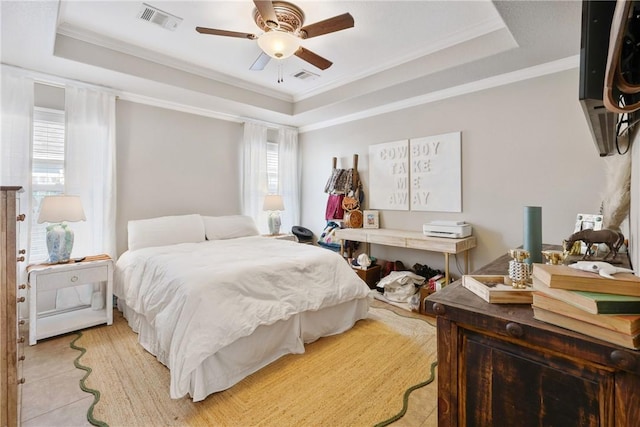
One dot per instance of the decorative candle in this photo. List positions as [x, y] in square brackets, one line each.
[533, 233]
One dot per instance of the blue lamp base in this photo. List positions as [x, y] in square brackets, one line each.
[274, 222]
[59, 243]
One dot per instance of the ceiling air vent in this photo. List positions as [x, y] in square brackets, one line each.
[156, 16]
[305, 75]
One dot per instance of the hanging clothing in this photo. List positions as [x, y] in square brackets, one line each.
[340, 182]
[334, 207]
[333, 178]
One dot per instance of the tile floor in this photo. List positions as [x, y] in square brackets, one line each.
[51, 395]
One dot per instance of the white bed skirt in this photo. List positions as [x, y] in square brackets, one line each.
[249, 354]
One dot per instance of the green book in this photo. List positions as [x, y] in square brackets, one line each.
[628, 324]
[593, 302]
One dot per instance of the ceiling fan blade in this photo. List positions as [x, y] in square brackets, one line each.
[261, 61]
[312, 58]
[267, 12]
[337, 23]
[213, 31]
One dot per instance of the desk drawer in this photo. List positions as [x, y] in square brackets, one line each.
[75, 277]
[389, 240]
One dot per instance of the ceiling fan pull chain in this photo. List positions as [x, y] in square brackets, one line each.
[280, 73]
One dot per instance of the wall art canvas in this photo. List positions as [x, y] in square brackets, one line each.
[389, 175]
[436, 173]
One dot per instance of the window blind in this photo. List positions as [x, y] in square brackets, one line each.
[272, 168]
[47, 170]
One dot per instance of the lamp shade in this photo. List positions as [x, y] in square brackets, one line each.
[278, 44]
[273, 202]
[57, 209]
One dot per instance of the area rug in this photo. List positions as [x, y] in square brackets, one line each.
[359, 378]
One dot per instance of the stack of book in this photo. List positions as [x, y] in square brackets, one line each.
[603, 308]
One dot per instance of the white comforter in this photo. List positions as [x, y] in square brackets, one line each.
[200, 297]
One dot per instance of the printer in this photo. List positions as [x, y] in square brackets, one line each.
[450, 229]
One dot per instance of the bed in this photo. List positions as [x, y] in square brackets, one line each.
[215, 301]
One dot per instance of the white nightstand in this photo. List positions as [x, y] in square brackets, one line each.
[291, 237]
[43, 277]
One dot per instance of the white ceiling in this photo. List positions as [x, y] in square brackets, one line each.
[398, 53]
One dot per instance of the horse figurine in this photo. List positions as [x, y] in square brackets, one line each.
[613, 240]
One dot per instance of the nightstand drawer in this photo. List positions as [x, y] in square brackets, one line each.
[74, 277]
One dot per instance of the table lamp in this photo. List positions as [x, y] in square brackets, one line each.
[273, 204]
[57, 210]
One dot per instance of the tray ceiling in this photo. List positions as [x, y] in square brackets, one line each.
[397, 51]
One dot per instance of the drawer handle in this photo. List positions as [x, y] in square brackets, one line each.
[74, 279]
[21, 381]
[22, 251]
[20, 259]
[623, 359]
[515, 330]
[20, 340]
[21, 358]
[21, 322]
[20, 217]
[23, 286]
[439, 309]
[21, 299]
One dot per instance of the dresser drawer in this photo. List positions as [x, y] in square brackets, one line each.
[77, 276]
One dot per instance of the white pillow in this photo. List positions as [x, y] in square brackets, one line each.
[229, 227]
[166, 230]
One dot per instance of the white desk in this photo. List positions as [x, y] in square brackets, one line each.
[45, 277]
[411, 240]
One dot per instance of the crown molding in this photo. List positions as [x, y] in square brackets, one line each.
[488, 83]
[557, 66]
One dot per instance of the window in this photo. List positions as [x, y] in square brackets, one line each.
[47, 172]
[272, 168]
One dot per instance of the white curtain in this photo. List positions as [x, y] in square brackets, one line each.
[289, 177]
[90, 174]
[15, 149]
[254, 180]
[254, 173]
[90, 165]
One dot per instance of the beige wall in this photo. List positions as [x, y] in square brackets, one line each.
[523, 144]
[172, 163]
[47, 96]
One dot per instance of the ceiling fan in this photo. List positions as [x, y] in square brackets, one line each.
[284, 30]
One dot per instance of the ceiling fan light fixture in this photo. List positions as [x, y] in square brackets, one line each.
[278, 44]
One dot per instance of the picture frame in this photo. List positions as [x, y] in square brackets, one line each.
[586, 221]
[371, 219]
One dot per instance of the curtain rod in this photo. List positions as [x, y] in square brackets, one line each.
[269, 124]
[53, 80]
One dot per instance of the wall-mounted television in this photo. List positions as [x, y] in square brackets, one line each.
[594, 47]
[607, 125]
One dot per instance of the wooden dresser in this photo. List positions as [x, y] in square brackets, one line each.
[11, 345]
[498, 366]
